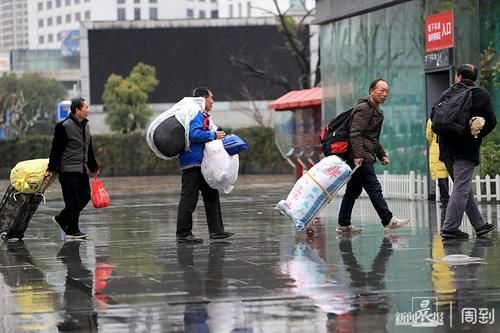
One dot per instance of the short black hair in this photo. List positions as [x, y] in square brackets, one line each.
[76, 103]
[374, 84]
[467, 72]
[201, 92]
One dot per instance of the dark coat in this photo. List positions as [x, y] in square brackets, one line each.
[365, 127]
[467, 147]
[72, 149]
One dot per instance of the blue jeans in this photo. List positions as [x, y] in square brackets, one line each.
[366, 178]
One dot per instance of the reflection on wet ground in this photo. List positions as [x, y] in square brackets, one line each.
[130, 276]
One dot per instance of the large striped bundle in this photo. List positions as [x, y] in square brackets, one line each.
[314, 190]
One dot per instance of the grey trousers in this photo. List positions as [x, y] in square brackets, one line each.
[461, 198]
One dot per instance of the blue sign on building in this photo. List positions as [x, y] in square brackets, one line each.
[70, 45]
[62, 110]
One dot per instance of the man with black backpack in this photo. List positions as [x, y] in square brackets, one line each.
[365, 125]
[460, 151]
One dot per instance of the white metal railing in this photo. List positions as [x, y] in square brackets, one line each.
[414, 187]
[410, 187]
[485, 189]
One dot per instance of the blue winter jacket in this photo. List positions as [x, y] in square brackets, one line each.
[197, 137]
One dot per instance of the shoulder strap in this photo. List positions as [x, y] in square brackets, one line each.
[364, 100]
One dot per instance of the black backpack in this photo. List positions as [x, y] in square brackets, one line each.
[450, 115]
[334, 137]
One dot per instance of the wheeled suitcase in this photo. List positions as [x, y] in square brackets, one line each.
[314, 190]
[17, 209]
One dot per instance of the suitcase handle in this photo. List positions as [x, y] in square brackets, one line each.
[47, 181]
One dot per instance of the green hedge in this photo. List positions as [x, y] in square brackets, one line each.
[129, 154]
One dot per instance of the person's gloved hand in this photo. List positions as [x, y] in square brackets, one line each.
[476, 125]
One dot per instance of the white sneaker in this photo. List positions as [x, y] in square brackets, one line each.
[396, 223]
[348, 229]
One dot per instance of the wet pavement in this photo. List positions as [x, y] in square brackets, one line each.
[131, 276]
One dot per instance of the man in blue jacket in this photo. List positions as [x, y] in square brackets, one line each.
[193, 181]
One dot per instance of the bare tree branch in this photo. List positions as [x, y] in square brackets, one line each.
[263, 74]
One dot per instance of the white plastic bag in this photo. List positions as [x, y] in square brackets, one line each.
[218, 167]
[185, 111]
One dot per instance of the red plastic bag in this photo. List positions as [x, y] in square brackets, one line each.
[100, 197]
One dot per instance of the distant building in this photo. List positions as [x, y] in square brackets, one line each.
[259, 8]
[13, 24]
[50, 20]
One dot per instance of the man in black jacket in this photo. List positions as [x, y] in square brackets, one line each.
[461, 155]
[71, 156]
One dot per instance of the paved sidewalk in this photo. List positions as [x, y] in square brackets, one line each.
[131, 276]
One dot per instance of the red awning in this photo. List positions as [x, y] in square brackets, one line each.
[297, 99]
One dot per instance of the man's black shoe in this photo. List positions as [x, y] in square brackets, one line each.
[446, 234]
[221, 235]
[188, 239]
[485, 229]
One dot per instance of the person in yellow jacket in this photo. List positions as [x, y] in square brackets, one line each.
[437, 168]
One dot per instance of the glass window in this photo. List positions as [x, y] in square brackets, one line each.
[137, 14]
[120, 2]
[58, 3]
[40, 23]
[120, 14]
[249, 9]
[87, 15]
[68, 18]
[153, 13]
[50, 38]
[384, 43]
[152, 1]
[41, 40]
[214, 14]
[78, 17]
[137, 1]
[77, 2]
[190, 13]
[67, 2]
[49, 21]
[40, 6]
[49, 5]
[201, 14]
[230, 10]
[59, 20]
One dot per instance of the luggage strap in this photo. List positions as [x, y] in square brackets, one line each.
[37, 193]
[328, 194]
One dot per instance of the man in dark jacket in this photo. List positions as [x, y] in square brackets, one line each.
[461, 155]
[365, 127]
[200, 131]
[72, 156]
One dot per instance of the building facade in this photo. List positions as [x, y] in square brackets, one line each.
[14, 24]
[257, 8]
[361, 41]
[50, 20]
